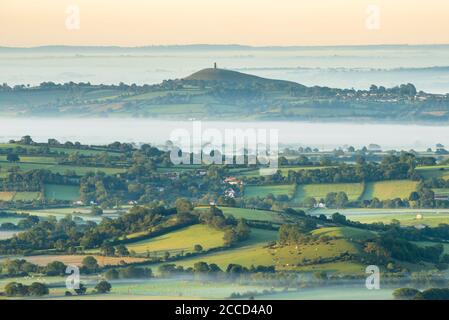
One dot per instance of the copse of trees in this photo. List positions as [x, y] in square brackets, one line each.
[16, 289]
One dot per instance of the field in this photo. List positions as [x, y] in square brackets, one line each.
[249, 214]
[319, 191]
[255, 252]
[19, 196]
[406, 217]
[345, 232]
[182, 240]
[285, 170]
[434, 171]
[384, 190]
[43, 260]
[61, 192]
[263, 191]
[80, 212]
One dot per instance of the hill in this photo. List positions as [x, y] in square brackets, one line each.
[224, 75]
[229, 95]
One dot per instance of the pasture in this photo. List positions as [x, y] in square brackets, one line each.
[406, 217]
[263, 191]
[249, 214]
[319, 191]
[61, 192]
[384, 190]
[182, 240]
[429, 172]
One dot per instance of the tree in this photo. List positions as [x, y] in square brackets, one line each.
[111, 274]
[309, 202]
[81, 290]
[108, 250]
[96, 211]
[242, 230]
[338, 218]
[121, 250]
[38, 289]
[103, 287]
[341, 200]
[55, 268]
[90, 263]
[230, 237]
[405, 293]
[12, 157]
[26, 140]
[183, 205]
[198, 248]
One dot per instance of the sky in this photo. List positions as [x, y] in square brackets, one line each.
[25, 23]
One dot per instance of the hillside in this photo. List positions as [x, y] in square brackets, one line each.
[224, 75]
[229, 95]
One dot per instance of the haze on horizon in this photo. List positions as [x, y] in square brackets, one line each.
[251, 22]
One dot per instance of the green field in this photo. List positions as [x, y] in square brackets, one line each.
[285, 170]
[181, 240]
[345, 232]
[249, 214]
[434, 171]
[19, 196]
[61, 192]
[384, 190]
[26, 196]
[407, 217]
[256, 252]
[263, 191]
[319, 191]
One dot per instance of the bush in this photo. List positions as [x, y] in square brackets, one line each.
[405, 293]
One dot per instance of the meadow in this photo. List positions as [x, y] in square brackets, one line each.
[61, 192]
[428, 172]
[182, 240]
[249, 214]
[406, 217]
[384, 190]
[319, 191]
[263, 191]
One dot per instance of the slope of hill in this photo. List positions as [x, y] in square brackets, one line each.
[224, 75]
[229, 95]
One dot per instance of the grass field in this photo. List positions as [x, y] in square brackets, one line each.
[180, 240]
[56, 168]
[318, 191]
[249, 214]
[6, 196]
[77, 259]
[434, 171]
[345, 232]
[26, 196]
[263, 191]
[407, 217]
[384, 190]
[61, 192]
[255, 252]
[19, 196]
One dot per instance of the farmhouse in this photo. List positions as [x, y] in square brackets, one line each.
[233, 181]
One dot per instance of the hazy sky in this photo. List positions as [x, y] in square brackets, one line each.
[254, 22]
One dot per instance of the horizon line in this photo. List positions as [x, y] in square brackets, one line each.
[243, 46]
